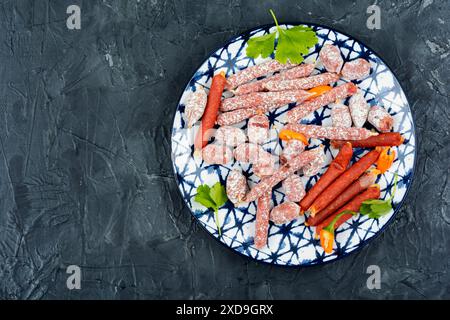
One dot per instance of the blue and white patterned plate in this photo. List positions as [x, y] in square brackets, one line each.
[292, 244]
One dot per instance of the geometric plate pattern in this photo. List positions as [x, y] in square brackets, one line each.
[292, 244]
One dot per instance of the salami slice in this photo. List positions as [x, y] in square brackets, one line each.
[258, 129]
[340, 115]
[217, 154]
[236, 116]
[262, 170]
[285, 212]
[380, 119]
[331, 58]
[302, 83]
[334, 133]
[293, 188]
[313, 168]
[230, 136]
[337, 93]
[356, 69]
[359, 109]
[300, 71]
[263, 99]
[195, 106]
[262, 220]
[292, 149]
[236, 186]
[256, 71]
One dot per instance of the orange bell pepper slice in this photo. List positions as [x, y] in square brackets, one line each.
[385, 160]
[327, 233]
[290, 134]
[317, 91]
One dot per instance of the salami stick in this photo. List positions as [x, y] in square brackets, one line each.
[262, 220]
[285, 212]
[331, 58]
[337, 93]
[300, 71]
[372, 192]
[211, 110]
[263, 99]
[333, 133]
[343, 181]
[356, 69]
[236, 116]
[336, 168]
[388, 139]
[236, 186]
[303, 83]
[365, 181]
[282, 173]
[256, 71]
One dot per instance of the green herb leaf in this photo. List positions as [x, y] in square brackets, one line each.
[261, 46]
[204, 198]
[377, 208]
[365, 209]
[212, 198]
[292, 43]
[218, 194]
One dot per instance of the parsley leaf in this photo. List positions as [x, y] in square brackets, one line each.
[292, 43]
[377, 208]
[261, 46]
[212, 198]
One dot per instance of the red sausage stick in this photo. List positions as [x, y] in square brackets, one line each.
[372, 192]
[388, 139]
[336, 168]
[211, 110]
[364, 182]
[344, 180]
[262, 220]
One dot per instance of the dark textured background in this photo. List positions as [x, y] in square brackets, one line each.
[85, 170]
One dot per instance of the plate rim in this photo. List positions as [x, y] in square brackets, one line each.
[361, 244]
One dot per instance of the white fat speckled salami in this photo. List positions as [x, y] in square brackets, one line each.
[262, 219]
[230, 136]
[300, 71]
[252, 153]
[236, 186]
[302, 83]
[313, 168]
[340, 115]
[359, 109]
[337, 93]
[195, 106]
[292, 149]
[236, 116]
[380, 119]
[285, 212]
[293, 188]
[263, 99]
[258, 129]
[256, 71]
[356, 69]
[279, 175]
[333, 133]
[331, 58]
[217, 154]
[262, 170]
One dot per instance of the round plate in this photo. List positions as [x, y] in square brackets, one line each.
[292, 244]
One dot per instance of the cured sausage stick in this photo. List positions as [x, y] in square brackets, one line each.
[303, 83]
[336, 168]
[388, 139]
[282, 173]
[262, 220]
[300, 71]
[337, 93]
[236, 116]
[333, 133]
[344, 180]
[365, 181]
[263, 99]
[256, 71]
[285, 212]
[211, 110]
[370, 193]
